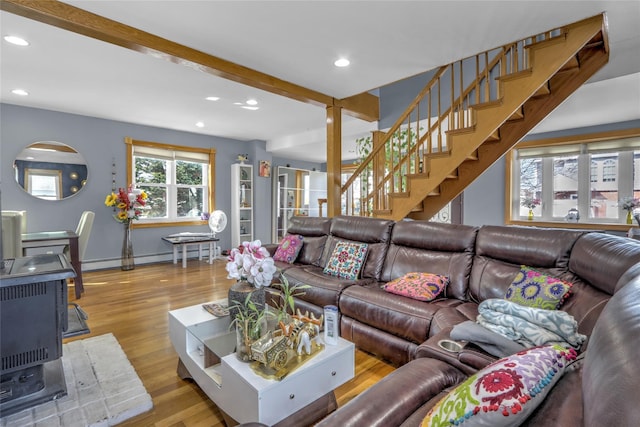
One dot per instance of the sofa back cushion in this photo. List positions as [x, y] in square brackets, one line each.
[444, 249]
[596, 264]
[610, 375]
[314, 231]
[502, 250]
[601, 259]
[376, 233]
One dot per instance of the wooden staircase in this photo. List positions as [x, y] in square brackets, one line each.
[450, 140]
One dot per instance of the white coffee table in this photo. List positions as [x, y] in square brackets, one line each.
[205, 348]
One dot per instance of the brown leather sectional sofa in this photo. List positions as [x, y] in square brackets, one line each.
[480, 262]
[602, 391]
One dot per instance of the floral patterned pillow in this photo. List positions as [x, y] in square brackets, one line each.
[504, 393]
[420, 286]
[289, 248]
[346, 260]
[532, 288]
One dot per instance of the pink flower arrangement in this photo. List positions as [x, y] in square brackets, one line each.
[251, 262]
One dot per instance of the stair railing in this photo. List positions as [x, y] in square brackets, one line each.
[442, 106]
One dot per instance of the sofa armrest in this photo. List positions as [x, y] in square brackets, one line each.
[469, 359]
[396, 396]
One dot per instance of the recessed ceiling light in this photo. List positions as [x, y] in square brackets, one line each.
[212, 98]
[20, 92]
[342, 62]
[200, 124]
[246, 107]
[252, 102]
[238, 103]
[18, 41]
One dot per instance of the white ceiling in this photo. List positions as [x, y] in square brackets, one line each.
[296, 41]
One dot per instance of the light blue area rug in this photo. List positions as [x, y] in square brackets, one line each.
[103, 389]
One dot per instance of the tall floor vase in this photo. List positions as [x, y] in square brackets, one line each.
[126, 259]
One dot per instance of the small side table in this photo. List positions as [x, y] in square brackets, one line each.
[184, 240]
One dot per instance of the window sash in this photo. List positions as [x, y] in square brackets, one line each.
[586, 148]
[171, 154]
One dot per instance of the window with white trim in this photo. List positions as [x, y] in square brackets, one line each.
[591, 176]
[178, 181]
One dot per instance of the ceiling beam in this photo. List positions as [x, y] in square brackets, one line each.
[62, 15]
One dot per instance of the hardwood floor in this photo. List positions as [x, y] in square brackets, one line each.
[133, 305]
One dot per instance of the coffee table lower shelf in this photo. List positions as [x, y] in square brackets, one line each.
[205, 347]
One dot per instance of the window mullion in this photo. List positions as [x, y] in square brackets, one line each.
[584, 183]
[625, 178]
[172, 193]
[547, 188]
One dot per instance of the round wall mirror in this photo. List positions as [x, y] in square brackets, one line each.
[50, 170]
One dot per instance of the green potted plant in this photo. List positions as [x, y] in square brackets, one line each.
[250, 322]
[285, 308]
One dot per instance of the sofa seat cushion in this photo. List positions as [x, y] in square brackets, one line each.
[282, 266]
[323, 289]
[398, 315]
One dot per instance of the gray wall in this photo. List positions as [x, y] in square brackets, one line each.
[100, 141]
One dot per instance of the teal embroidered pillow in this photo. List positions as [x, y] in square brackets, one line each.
[346, 260]
[289, 248]
[419, 286]
[532, 288]
[504, 393]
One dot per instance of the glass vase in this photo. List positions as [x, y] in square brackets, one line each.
[238, 294]
[530, 217]
[126, 258]
[247, 333]
[629, 218]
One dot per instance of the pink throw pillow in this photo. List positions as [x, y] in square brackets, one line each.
[289, 248]
[419, 286]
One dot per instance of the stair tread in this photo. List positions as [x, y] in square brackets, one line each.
[400, 194]
[555, 39]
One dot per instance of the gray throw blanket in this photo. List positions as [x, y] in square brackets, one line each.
[491, 342]
[529, 326]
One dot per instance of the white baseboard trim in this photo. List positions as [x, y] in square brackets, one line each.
[94, 265]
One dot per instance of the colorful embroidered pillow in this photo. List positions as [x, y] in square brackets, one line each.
[347, 260]
[420, 286]
[532, 288]
[289, 248]
[504, 393]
